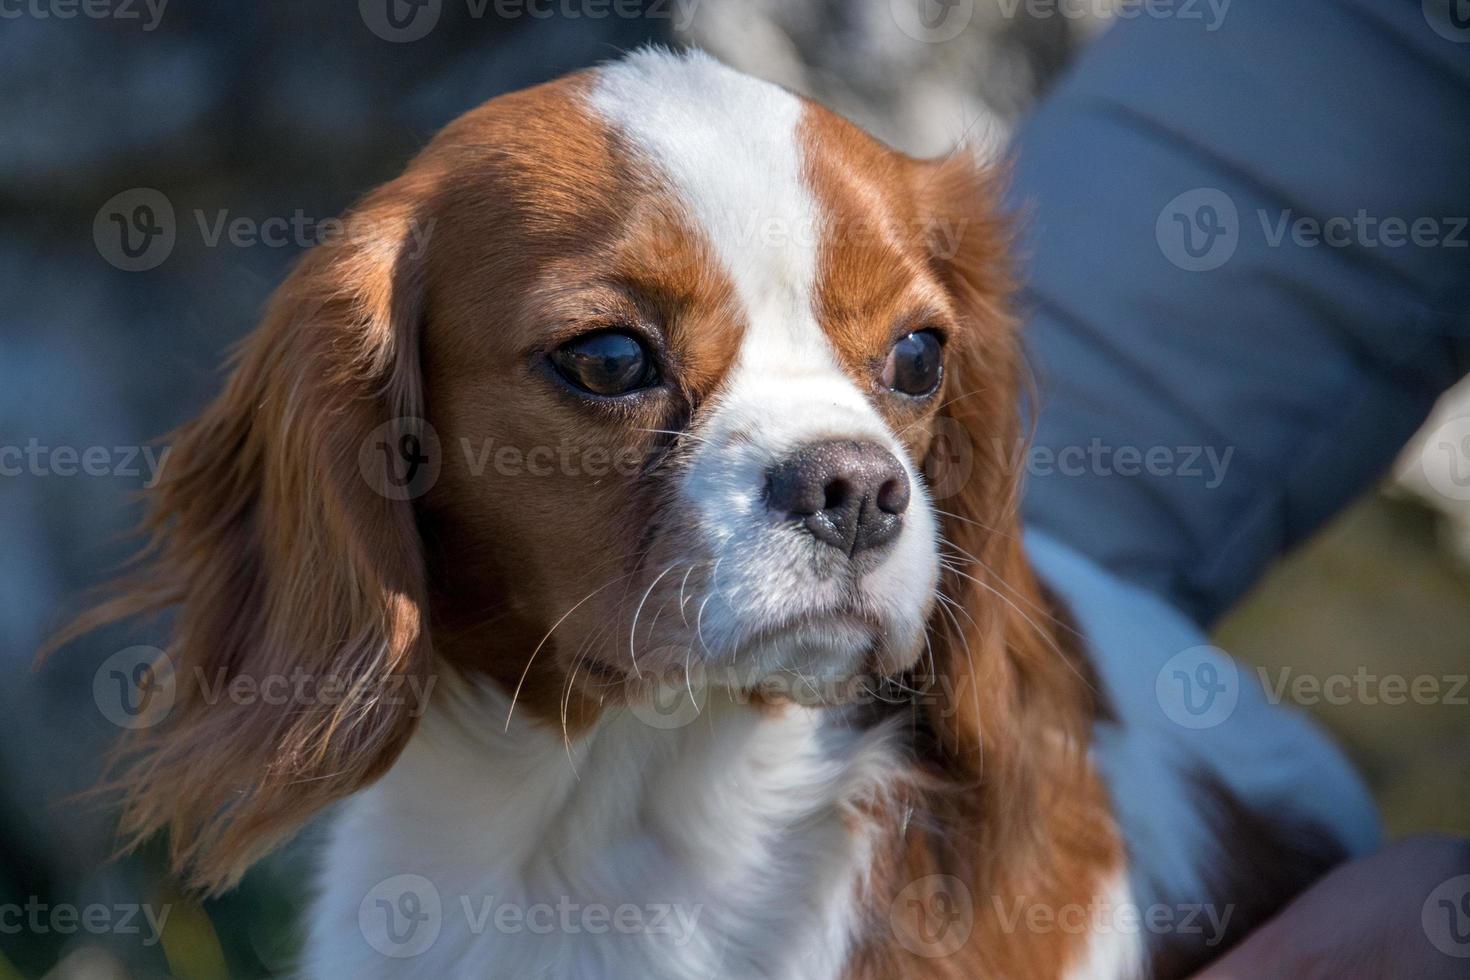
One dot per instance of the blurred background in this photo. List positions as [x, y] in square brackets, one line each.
[277, 116]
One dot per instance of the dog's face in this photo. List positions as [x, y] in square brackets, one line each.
[686, 342]
[684, 419]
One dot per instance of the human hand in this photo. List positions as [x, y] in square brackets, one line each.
[1403, 912]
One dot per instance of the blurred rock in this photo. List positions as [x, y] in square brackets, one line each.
[921, 76]
[1435, 469]
[89, 963]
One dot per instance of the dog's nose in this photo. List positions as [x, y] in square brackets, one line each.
[848, 494]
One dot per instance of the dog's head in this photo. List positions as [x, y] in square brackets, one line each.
[637, 371]
[685, 349]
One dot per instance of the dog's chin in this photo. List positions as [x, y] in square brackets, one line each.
[822, 658]
[825, 650]
[821, 648]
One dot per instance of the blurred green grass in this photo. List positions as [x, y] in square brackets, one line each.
[1376, 593]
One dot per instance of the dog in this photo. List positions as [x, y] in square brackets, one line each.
[627, 509]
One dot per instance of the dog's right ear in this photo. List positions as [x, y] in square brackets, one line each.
[282, 535]
[1015, 682]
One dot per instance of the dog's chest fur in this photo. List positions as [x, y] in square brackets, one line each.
[733, 845]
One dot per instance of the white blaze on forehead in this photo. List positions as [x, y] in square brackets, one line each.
[729, 146]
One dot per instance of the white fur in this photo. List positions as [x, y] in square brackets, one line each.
[1116, 950]
[729, 148]
[742, 821]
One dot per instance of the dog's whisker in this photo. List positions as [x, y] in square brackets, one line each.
[689, 681]
[566, 735]
[633, 631]
[515, 696]
[653, 624]
[972, 521]
[970, 660]
[1060, 624]
[677, 434]
[584, 653]
[681, 595]
[957, 607]
[943, 405]
[699, 624]
[1041, 632]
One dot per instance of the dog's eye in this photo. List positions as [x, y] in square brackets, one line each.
[916, 364]
[610, 363]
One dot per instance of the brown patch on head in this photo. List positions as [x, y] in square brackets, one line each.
[875, 281]
[554, 229]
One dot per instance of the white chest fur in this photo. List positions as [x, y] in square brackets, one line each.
[730, 846]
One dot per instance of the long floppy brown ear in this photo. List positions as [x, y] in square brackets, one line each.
[291, 560]
[1014, 683]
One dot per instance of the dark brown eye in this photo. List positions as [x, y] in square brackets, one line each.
[609, 364]
[916, 364]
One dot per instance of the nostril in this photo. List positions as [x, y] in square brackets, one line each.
[835, 494]
[893, 496]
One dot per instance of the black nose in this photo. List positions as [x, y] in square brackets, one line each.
[849, 494]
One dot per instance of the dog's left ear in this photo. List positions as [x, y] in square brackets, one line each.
[999, 661]
[283, 538]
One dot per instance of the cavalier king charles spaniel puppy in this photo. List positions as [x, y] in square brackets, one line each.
[627, 508]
